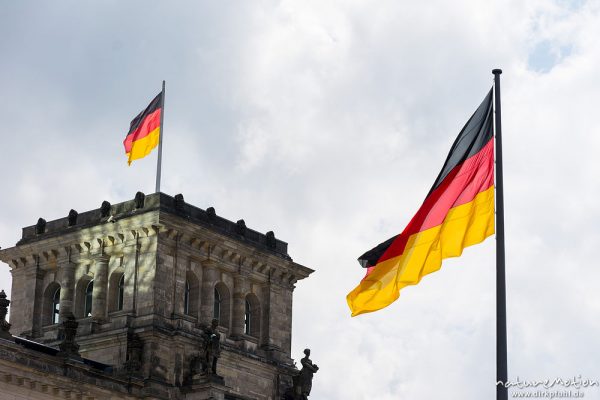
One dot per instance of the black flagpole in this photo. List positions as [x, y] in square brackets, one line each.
[501, 357]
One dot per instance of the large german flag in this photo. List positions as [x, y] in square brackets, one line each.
[458, 212]
[144, 131]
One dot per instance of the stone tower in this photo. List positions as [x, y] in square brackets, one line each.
[144, 279]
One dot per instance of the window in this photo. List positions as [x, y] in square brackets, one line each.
[217, 306]
[116, 290]
[56, 306]
[247, 318]
[50, 305]
[222, 305]
[186, 298]
[252, 316]
[191, 295]
[89, 290]
[120, 292]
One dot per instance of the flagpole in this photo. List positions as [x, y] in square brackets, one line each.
[501, 345]
[160, 139]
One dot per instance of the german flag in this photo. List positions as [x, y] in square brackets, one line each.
[144, 131]
[458, 212]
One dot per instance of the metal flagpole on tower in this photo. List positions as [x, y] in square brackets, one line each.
[160, 138]
[501, 352]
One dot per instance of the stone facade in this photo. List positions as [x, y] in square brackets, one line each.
[144, 278]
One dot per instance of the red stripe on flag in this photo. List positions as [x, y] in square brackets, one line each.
[461, 185]
[150, 123]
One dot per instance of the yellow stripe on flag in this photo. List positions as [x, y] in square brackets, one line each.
[464, 225]
[142, 147]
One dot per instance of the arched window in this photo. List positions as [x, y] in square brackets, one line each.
[252, 316]
[120, 292]
[116, 290]
[89, 290]
[222, 305]
[217, 306]
[50, 304]
[186, 298]
[80, 303]
[247, 318]
[191, 295]
[56, 306]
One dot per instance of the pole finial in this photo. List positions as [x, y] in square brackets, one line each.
[496, 71]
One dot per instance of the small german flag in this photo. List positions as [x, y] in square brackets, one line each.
[144, 132]
[458, 212]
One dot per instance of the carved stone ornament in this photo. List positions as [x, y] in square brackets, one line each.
[40, 227]
[179, 202]
[240, 227]
[271, 240]
[72, 217]
[105, 209]
[211, 213]
[139, 200]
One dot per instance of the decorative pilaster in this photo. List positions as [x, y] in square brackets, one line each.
[100, 288]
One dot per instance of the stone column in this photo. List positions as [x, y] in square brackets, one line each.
[210, 275]
[67, 289]
[239, 306]
[100, 288]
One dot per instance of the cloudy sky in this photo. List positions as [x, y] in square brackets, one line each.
[327, 121]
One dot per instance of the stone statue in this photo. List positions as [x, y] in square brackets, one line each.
[306, 374]
[135, 348]
[212, 347]
[302, 382]
[68, 347]
[4, 325]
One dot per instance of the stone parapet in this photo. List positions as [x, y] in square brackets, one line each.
[157, 202]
